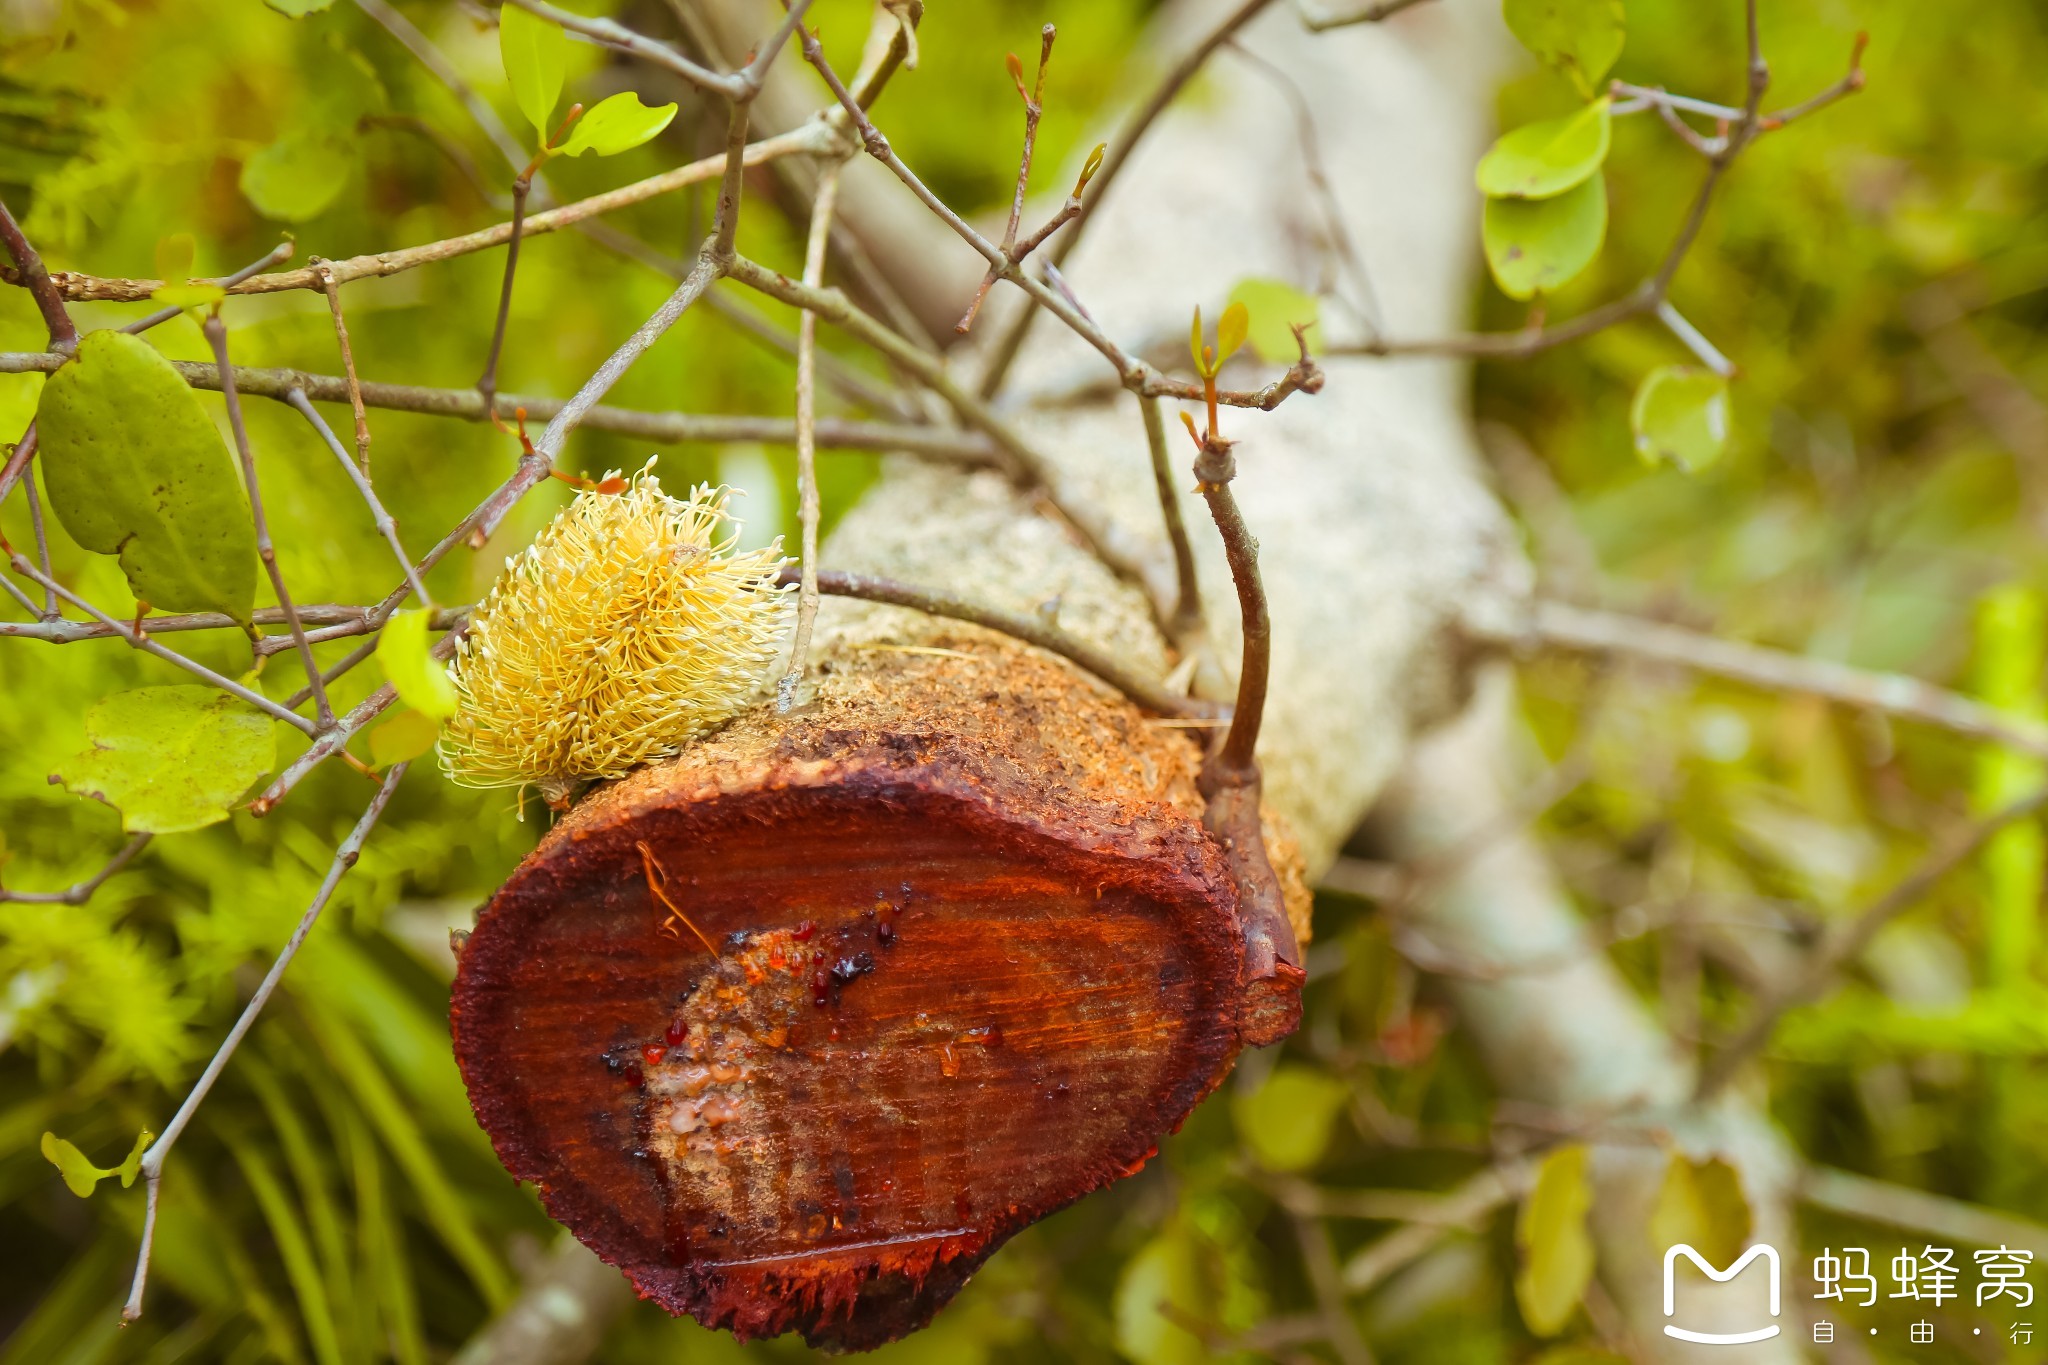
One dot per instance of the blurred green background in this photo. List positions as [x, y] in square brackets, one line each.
[1880, 275]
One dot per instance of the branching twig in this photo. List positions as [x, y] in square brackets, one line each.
[153, 1160]
[32, 275]
[1848, 941]
[276, 255]
[1577, 628]
[80, 892]
[1034, 109]
[217, 337]
[807, 434]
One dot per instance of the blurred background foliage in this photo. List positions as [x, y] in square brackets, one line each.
[1879, 274]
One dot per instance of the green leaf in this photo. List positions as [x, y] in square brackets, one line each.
[420, 679]
[1540, 160]
[1287, 1121]
[171, 759]
[136, 468]
[534, 52]
[406, 735]
[298, 9]
[1580, 38]
[1195, 344]
[1230, 331]
[1167, 1270]
[1556, 1252]
[1276, 307]
[298, 176]
[1535, 246]
[618, 124]
[1701, 1205]
[1680, 416]
[80, 1175]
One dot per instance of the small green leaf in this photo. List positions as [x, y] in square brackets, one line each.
[171, 759]
[1580, 38]
[1230, 331]
[1680, 416]
[534, 52]
[405, 736]
[79, 1174]
[1088, 170]
[1276, 309]
[1544, 159]
[1287, 1121]
[298, 9]
[1166, 1271]
[618, 124]
[1556, 1252]
[131, 1165]
[1195, 344]
[1535, 246]
[136, 468]
[1702, 1205]
[298, 176]
[420, 679]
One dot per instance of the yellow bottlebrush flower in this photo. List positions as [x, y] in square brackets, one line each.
[626, 629]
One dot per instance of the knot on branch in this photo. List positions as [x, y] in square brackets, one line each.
[1216, 465]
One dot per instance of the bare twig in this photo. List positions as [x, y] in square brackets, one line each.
[42, 535]
[1465, 1206]
[80, 892]
[1900, 1206]
[1317, 20]
[431, 57]
[1121, 146]
[386, 527]
[1034, 109]
[613, 35]
[72, 632]
[807, 434]
[809, 139]
[1695, 340]
[159, 1151]
[348, 372]
[217, 337]
[1032, 630]
[1319, 1258]
[487, 382]
[276, 255]
[1186, 617]
[953, 447]
[1557, 625]
[145, 643]
[1848, 941]
[33, 275]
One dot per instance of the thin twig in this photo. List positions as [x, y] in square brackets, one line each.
[1317, 21]
[1034, 109]
[1695, 340]
[929, 442]
[1121, 146]
[809, 139]
[1901, 1206]
[36, 278]
[1849, 940]
[1556, 625]
[1465, 1206]
[487, 382]
[42, 535]
[276, 255]
[431, 57]
[609, 34]
[1032, 630]
[217, 337]
[1186, 617]
[357, 619]
[148, 645]
[386, 526]
[159, 1151]
[348, 372]
[807, 434]
[80, 892]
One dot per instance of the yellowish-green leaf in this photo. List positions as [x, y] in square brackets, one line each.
[135, 468]
[535, 52]
[298, 176]
[405, 736]
[1276, 309]
[298, 9]
[1579, 38]
[1287, 1121]
[171, 759]
[1166, 1271]
[1536, 246]
[1195, 344]
[1556, 1250]
[1230, 331]
[1701, 1205]
[1680, 416]
[1540, 160]
[1088, 170]
[616, 125]
[420, 679]
[80, 1175]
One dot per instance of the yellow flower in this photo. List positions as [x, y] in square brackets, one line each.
[626, 630]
